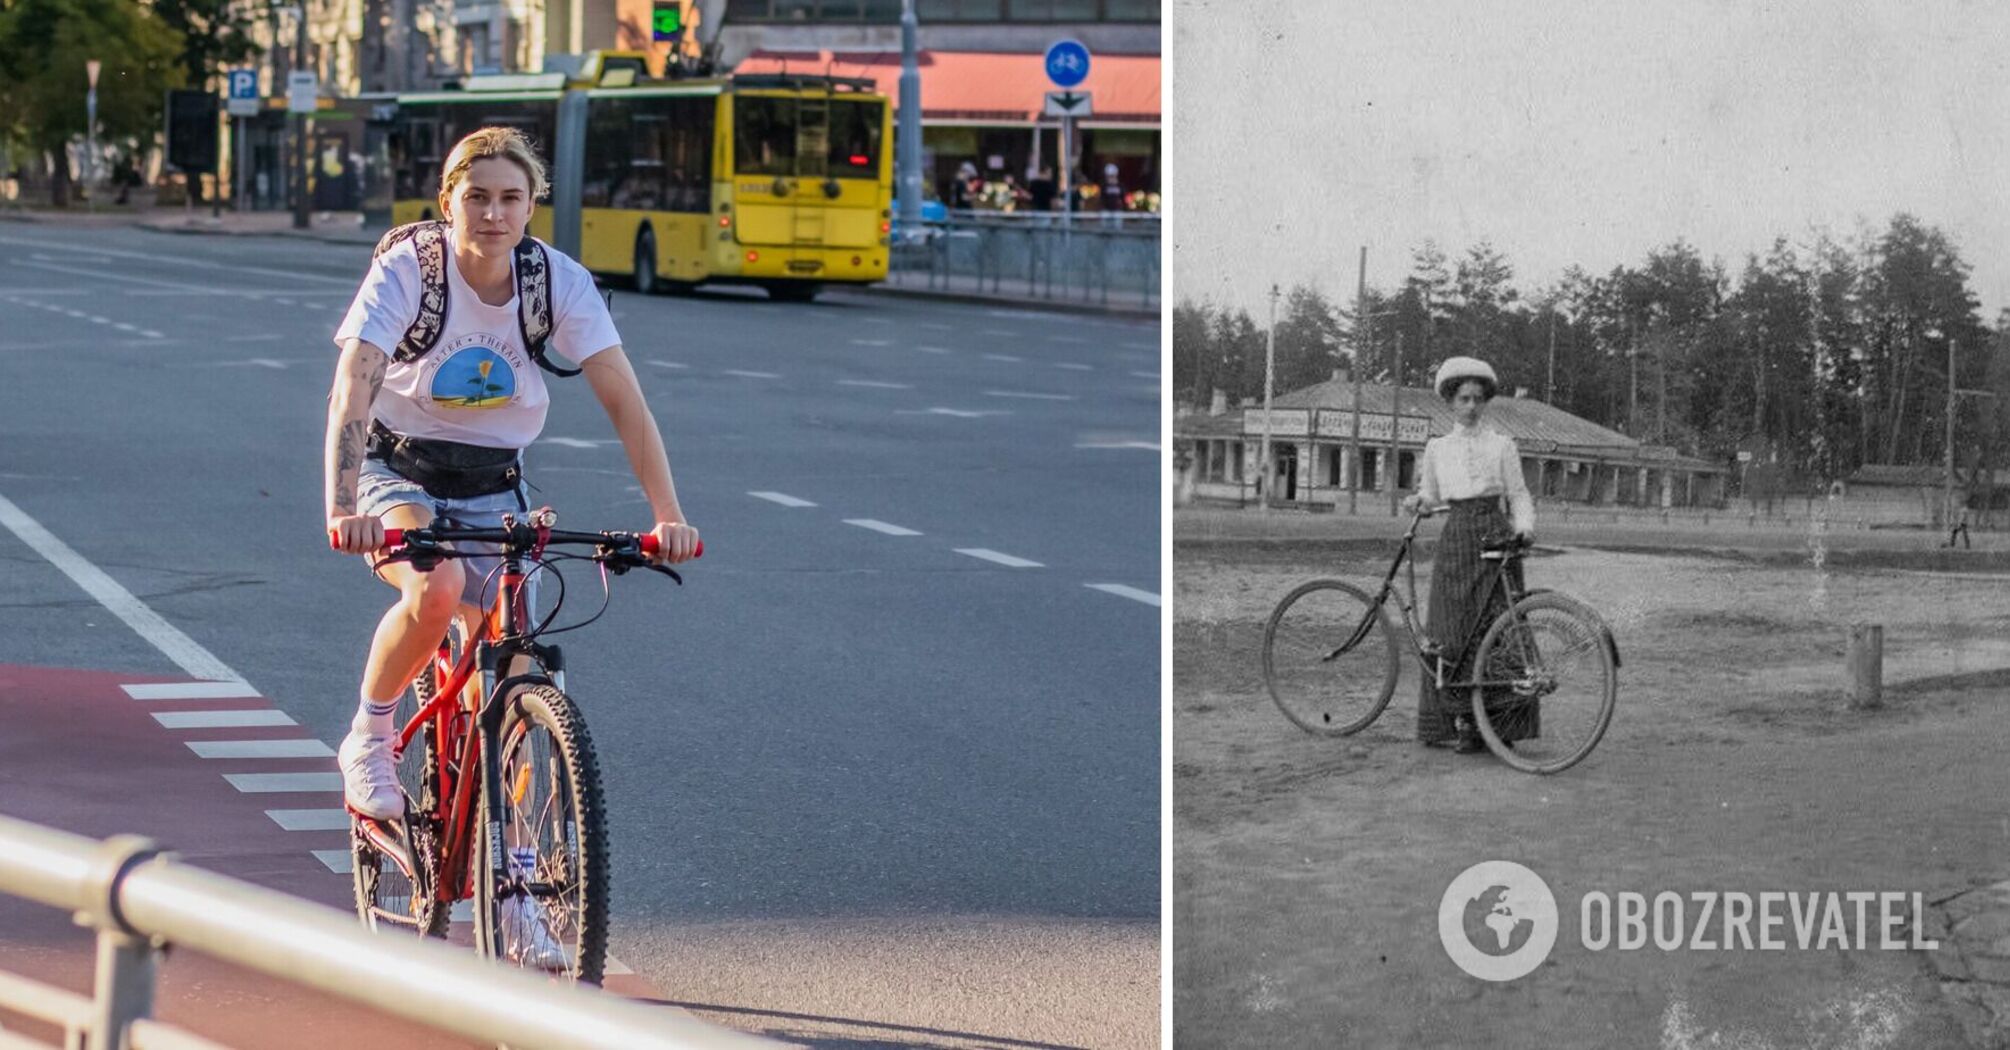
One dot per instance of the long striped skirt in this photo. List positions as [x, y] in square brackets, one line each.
[1465, 599]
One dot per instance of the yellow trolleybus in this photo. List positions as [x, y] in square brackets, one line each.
[780, 181]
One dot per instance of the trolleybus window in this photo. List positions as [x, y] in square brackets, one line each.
[764, 135]
[855, 133]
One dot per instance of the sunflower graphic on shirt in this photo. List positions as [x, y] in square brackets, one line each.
[474, 377]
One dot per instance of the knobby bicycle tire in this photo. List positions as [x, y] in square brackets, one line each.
[380, 883]
[1559, 657]
[1330, 658]
[569, 870]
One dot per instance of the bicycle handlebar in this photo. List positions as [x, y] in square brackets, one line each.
[524, 536]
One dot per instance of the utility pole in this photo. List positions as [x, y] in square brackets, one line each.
[300, 202]
[1947, 504]
[909, 156]
[1551, 396]
[1264, 474]
[1395, 423]
[1661, 399]
[1632, 379]
[1360, 327]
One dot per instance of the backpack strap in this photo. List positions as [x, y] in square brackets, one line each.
[533, 299]
[429, 241]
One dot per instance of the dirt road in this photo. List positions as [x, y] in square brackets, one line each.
[1308, 872]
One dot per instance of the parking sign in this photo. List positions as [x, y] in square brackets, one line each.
[243, 92]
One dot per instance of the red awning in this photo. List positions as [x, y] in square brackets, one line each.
[984, 86]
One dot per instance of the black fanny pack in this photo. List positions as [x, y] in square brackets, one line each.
[447, 469]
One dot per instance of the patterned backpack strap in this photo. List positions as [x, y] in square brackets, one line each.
[429, 241]
[533, 299]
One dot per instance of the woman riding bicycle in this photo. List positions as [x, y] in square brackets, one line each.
[415, 435]
[1472, 469]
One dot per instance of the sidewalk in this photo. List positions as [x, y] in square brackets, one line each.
[349, 228]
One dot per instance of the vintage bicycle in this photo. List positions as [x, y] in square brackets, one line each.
[504, 803]
[1544, 679]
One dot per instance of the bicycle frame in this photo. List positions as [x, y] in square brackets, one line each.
[1406, 600]
[502, 636]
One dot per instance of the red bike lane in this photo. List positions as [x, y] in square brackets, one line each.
[228, 782]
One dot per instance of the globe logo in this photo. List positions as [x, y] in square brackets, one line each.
[1497, 920]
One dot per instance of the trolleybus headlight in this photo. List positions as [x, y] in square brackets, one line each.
[753, 256]
[725, 221]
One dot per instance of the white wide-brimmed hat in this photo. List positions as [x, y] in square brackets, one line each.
[1459, 369]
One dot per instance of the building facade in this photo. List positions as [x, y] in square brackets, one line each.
[1312, 431]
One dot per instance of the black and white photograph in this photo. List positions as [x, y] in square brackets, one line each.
[1590, 440]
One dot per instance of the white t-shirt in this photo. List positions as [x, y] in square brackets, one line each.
[479, 385]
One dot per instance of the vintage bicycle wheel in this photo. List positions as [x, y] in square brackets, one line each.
[548, 910]
[1330, 658]
[1549, 684]
[394, 882]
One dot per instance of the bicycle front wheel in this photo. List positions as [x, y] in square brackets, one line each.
[546, 907]
[1330, 658]
[1546, 684]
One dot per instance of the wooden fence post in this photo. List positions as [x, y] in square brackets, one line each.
[1866, 665]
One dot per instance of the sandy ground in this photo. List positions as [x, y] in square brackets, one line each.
[1307, 872]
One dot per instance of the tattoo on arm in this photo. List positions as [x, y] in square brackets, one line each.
[348, 458]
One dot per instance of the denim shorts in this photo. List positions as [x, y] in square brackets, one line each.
[379, 488]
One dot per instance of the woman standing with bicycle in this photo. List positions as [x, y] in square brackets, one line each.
[1474, 469]
[438, 391]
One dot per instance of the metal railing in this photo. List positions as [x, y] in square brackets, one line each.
[1106, 259]
[140, 900]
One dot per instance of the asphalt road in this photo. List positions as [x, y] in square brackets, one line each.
[866, 789]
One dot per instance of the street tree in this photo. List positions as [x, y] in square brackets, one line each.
[44, 45]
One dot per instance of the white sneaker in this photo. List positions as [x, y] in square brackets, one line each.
[369, 776]
[527, 940]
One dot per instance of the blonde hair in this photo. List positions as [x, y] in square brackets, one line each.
[489, 143]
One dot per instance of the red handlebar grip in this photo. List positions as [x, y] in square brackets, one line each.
[394, 537]
[650, 546]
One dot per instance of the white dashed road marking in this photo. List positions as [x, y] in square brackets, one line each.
[286, 783]
[875, 384]
[223, 719]
[570, 442]
[339, 861]
[234, 749]
[1003, 559]
[1152, 445]
[931, 349]
[751, 375]
[1029, 396]
[191, 691]
[880, 526]
[1146, 375]
[310, 819]
[872, 342]
[1000, 333]
[667, 364]
[782, 498]
[1122, 591]
[959, 413]
[1072, 367]
[1002, 357]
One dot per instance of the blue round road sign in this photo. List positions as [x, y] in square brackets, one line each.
[1067, 63]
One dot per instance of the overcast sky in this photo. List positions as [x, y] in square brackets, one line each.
[1576, 131]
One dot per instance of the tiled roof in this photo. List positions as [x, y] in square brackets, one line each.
[1536, 426]
[1528, 421]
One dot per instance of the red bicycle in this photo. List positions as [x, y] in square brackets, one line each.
[504, 803]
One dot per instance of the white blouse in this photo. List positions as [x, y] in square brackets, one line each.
[1473, 462]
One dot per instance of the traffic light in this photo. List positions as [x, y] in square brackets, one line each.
[191, 131]
[667, 20]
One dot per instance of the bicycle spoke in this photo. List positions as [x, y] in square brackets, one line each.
[1546, 685]
[1329, 658]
